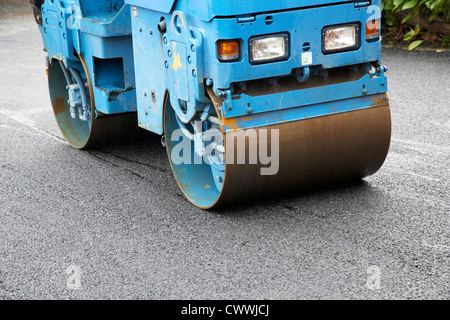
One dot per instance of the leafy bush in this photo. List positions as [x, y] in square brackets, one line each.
[425, 8]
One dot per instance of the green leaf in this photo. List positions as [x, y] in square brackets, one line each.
[434, 15]
[407, 17]
[409, 35]
[388, 6]
[410, 4]
[390, 20]
[415, 44]
[436, 4]
[397, 3]
[446, 41]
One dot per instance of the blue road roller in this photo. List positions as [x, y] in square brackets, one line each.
[251, 98]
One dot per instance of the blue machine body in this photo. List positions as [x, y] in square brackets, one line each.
[100, 31]
[136, 61]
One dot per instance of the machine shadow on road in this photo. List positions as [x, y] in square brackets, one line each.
[297, 201]
[145, 149]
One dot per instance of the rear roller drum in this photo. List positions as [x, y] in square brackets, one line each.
[73, 103]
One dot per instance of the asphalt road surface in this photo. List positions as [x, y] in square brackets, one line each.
[117, 216]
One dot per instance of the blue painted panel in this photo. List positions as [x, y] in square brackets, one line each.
[206, 10]
[108, 30]
[304, 26]
[178, 64]
[150, 71]
[100, 29]
[91, 7]
[112, 99]
[109, 24]
[290, 99]
[164, 6]
[304, 112]
[52, 33]
[183, 49]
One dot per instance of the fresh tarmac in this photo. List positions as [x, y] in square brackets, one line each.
[117, 213]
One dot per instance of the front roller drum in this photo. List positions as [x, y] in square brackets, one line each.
[312, 152]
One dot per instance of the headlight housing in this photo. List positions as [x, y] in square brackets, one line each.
[341, 38]
[269, 48]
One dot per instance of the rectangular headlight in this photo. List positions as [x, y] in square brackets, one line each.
[340, 38]
[269, 48]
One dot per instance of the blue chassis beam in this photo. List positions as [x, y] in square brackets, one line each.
[304, 112]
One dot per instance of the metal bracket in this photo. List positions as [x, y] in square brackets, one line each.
[227, 99]
[381, 69]
[302, 74]
[183, 48]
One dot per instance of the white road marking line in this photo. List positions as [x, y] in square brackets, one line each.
[31, 124]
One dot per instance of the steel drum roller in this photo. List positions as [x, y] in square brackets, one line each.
[97, 130]
[312, 152]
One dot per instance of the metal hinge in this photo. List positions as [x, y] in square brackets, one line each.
[246, 19]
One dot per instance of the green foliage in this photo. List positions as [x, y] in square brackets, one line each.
[429, 8]
[446, 41]
[415, 44]
[434, 8]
